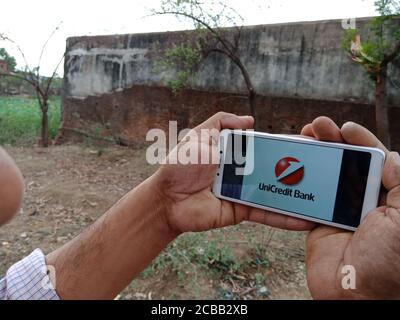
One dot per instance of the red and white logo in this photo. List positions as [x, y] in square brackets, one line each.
[289, 171]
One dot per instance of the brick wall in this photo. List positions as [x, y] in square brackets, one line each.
[128, 115]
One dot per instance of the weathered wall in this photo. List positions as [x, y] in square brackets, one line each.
[299, 71]
[130, 113]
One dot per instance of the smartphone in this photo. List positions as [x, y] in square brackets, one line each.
[328, 183]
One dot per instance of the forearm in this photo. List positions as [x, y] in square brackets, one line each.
[105, 258]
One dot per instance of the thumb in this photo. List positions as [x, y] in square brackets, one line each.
[355, 134]
[392, 181]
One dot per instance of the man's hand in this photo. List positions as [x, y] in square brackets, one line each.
[190, 203]
[374, 249]
[104, 259]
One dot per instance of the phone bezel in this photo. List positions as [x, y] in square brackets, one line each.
[373, 184]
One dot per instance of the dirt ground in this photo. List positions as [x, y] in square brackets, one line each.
[68, 187]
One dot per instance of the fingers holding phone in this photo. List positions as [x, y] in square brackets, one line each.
[372, 250]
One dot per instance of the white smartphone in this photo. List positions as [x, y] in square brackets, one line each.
[328, 183]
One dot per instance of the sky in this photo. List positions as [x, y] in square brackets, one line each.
[29, 23]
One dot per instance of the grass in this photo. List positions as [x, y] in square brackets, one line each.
[194, 249]
[196, 258]
[20, 120]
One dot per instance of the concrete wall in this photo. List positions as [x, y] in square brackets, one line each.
[300, 64]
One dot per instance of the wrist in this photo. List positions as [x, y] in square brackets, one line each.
[160, 203]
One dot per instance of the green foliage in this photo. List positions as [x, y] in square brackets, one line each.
[380, 38]
[349, 35]
[20, 120]
[10, 60]
[217, 256]
[185, 59]
[180, 82]
[387, 7]
[259, 278]
[193, 251]
[196, 252]
[184, 54]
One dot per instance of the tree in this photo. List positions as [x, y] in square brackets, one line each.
[380, 48]
[10, 60]
[210, 21]
[42, 85]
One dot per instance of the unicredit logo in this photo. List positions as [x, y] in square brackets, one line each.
[289, 171]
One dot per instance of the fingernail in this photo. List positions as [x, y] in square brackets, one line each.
[348, 124]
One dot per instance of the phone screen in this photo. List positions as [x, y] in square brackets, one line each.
[322, 182]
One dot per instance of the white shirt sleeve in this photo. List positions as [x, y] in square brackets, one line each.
[28, 280]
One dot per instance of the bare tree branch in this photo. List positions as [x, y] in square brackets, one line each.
[212, 35]
[391, 56]
[31, 82]
[54, 73]
[33, 77]
[238, 36]
[44, 47]
[199, 21]
[5, 38]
